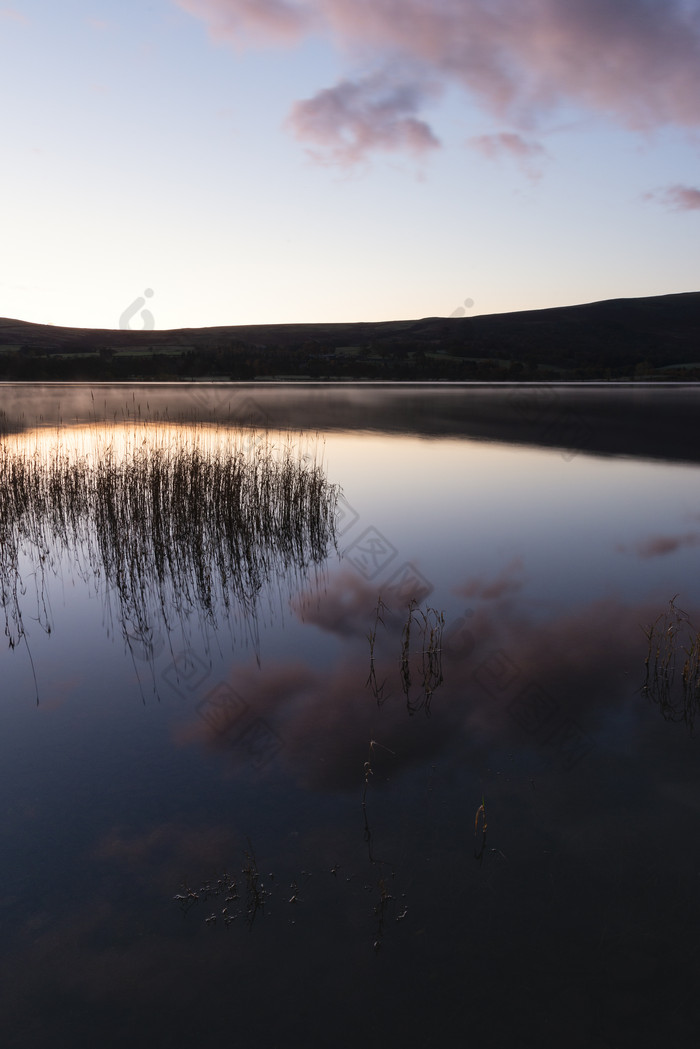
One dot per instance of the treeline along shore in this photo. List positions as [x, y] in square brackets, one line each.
[643, 339]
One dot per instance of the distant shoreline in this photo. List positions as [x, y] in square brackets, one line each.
[651, 421]
[653, 339]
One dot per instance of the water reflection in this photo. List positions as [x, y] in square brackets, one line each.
[549, 688]
[168, 522]
[658, 422]
[672, 666]
[502, 849]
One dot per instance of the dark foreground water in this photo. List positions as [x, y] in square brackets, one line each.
[325, 717]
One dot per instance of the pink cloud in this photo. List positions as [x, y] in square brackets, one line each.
[347, 122]
[344, 609]
[638, 63]
[508, 581]
[660, 545]
[680, 198]
[250, 21]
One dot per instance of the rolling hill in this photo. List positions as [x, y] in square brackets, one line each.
[643, 338]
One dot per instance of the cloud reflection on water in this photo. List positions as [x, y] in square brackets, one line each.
[577, 919]
[587, 662]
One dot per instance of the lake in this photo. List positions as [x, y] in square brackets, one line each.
[349, 715]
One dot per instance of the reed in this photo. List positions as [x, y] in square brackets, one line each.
[378, 866]
[431, 624]
[170, 520]
[372, 683]
[480, 824]
[421, 658]
[672, 665]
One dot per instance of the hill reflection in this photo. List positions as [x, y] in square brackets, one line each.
[170, 520]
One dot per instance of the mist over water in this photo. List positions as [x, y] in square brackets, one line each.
[349, 715]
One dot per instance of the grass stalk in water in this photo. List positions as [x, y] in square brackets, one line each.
[672, 665]
[171, 520]
[426, 662]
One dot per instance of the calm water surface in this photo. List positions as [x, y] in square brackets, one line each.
[360, 753]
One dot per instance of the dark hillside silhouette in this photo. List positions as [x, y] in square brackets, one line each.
[647, 338]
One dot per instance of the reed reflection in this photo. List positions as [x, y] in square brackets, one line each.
[672, 665]
[170, 520]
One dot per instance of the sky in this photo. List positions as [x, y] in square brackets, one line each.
[184, 163]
